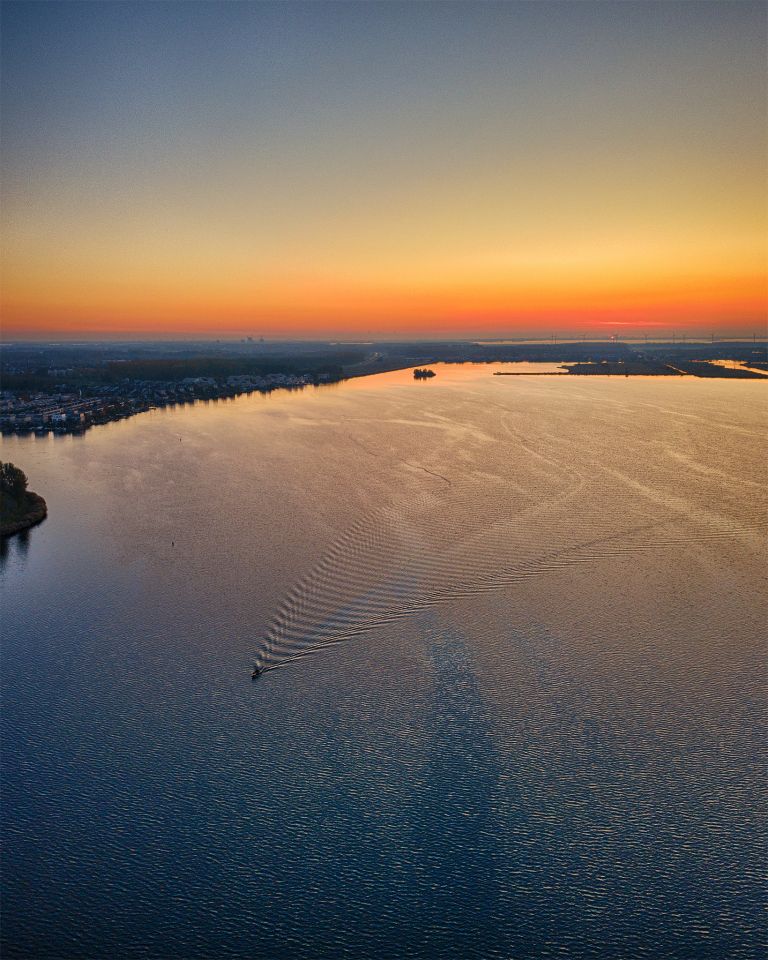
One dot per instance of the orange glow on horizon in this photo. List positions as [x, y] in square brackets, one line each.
[311, 308]
[509, 176]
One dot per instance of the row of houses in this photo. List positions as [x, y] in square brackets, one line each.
[73, 413]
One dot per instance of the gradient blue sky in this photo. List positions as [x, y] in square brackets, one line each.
[367, 168]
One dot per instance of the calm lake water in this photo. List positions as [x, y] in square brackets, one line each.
[516, 690]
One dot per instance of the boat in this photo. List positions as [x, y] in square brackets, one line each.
[257, 672]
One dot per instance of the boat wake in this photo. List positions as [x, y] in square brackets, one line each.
[399, 560]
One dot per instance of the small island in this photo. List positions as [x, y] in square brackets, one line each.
[19, 507]
[423, 373]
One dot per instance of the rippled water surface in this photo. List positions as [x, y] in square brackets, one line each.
[513, 701]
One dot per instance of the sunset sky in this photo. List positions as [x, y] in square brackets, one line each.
[365, 169]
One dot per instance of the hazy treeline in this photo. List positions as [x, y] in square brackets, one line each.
[329, 363]
[179, 369]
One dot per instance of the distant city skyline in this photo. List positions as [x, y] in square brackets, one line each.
[378, 170]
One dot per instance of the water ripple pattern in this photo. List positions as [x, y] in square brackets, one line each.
[464, 532]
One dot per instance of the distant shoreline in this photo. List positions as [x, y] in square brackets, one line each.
[37, 511]
[65, 390]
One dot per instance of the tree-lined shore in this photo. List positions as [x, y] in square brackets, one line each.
[20, 508]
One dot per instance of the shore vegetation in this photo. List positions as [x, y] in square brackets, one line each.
[19, 507]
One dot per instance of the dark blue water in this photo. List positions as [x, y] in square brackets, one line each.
[538, 729]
